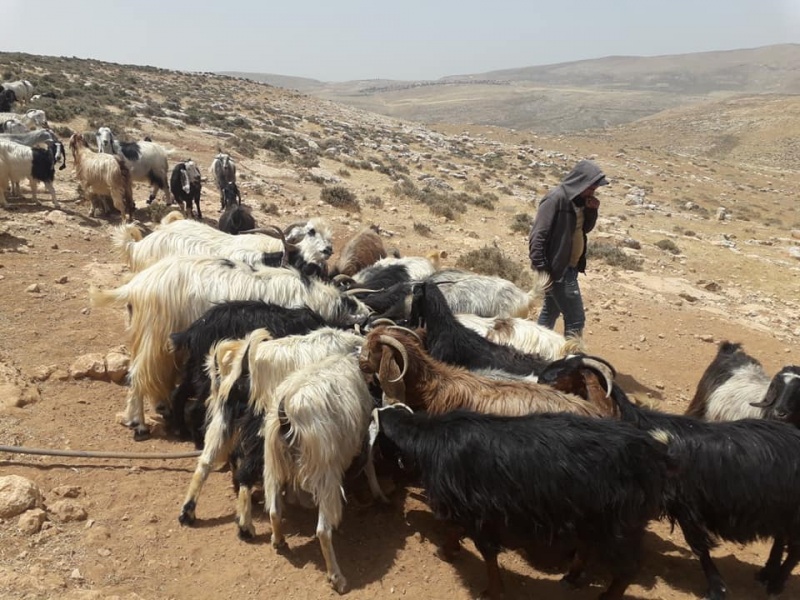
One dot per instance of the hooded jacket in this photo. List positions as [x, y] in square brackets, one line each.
[550, 238]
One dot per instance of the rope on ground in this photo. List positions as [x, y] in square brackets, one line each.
[90, 454]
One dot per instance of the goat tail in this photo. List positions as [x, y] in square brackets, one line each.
[277, 459]
[171, 217]
[124, 237]
[541, 283]
[572, 345]
[627, 410]
[435, 257]
[100, 298]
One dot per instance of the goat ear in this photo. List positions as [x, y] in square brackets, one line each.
[388, 371]
[769, 398]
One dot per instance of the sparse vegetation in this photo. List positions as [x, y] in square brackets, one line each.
[613, 256]
[492, 261]
[522, 223]
[340, 197]
[668, 246]
[422, 229]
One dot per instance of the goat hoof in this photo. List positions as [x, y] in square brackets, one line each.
[571, 582]
[187, 514]
[338, 582]
[141, 433]
[280, 545]
[247, 534]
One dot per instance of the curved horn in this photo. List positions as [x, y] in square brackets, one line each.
[601, 367]
[407, 330]
[762, 404]
[382, 321]
[361, 291]
[390, 341]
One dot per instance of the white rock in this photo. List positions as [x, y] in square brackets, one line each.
[17, 494]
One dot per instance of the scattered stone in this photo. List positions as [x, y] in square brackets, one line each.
[704, 337]
[117, 364]
[92, 366]
[66, 511]
[687, 297]
[33, 288]
[76, 575]
[31, 521]
[18, 494]
[62, 279]
[67, 491]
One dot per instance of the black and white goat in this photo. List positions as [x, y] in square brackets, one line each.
[231, 196]
[12, 125]
[22, 88]
[223, 168]
[147, 161]
[738, 481]
[230, 320]
[34, 164]
[556, 479]
[735, 386]
[185, 184]
[30, 120]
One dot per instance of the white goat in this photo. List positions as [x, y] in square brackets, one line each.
[13, 125]
[169, 295]
[102, 174]
[326, 407]
[262, 364]
[523, 334]
[34, 164]
[223, 168]
[146, 160]
[23, 89]
[193, 238]
[488, 296]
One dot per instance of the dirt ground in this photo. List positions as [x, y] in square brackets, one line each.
[659, 327]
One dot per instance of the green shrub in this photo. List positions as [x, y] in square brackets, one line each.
[340, 197]
[668, 245]
[492, 261]
[522, 223]
[422, 229]
[613, 256]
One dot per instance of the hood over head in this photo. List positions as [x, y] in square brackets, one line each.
[583, 175]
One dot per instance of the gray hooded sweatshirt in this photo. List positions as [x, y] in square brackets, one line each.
[550, 238]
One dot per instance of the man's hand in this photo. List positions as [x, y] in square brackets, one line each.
[592, 202]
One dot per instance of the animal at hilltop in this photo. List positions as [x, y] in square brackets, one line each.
[22, 88]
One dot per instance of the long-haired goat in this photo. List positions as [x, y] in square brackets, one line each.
[244, 376]
[102, 174]
[738, 481]
[735, 386]
[426, 383]
[522, 334]
[446, 339]
[315, 428]
[34, 164]
[146, 160]
[229, 320]
[362, 250]
[171, 294]
[193, 238]
[236, 219]
[590, 484]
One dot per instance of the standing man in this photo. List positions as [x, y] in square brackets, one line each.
[557, 243]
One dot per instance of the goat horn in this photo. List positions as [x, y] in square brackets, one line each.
[342, 277]
[390, 341]
[382, 321]
[762, 404]
[361, 291]
[602, 367]
[407, 330]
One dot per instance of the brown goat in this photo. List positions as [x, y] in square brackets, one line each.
[425, 383]
[101, 174]
[362, 250]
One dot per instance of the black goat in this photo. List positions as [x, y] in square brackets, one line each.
[510, 482]
[7, 98]
[782, 400]
[230, 320]
[186, 185]
[446, 339]
[230, 195]
[739, 481]
[236, 218]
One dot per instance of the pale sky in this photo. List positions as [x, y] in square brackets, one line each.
[375, 39]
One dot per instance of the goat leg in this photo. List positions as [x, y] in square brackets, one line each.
[325, 534]
[773, 564]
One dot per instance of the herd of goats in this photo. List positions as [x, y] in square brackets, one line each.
[295, 370]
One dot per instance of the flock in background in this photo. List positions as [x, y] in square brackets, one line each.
[295, 368]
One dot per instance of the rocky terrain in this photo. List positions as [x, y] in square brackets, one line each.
[692, 247]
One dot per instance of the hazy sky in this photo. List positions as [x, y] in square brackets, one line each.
[401, 39]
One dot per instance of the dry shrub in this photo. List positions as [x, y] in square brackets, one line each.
[492, 261]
